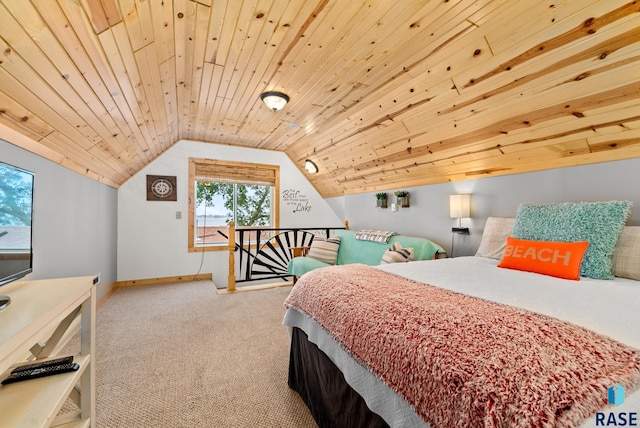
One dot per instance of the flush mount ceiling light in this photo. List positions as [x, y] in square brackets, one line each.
[311, 167]
[274, 100]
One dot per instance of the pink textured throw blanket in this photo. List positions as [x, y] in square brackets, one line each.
[461, 361]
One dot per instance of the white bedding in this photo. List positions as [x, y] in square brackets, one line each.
[610, 307]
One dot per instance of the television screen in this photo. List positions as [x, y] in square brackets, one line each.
[16, 217]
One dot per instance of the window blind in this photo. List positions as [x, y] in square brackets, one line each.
[235, 174]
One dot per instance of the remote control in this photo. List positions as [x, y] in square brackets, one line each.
[42, 372]
[42, 364]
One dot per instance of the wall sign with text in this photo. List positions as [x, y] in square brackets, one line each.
[295, 200]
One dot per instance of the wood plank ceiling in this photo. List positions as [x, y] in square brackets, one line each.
[384, 94]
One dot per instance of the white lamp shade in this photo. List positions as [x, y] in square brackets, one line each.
[274, 100]
[460, 206]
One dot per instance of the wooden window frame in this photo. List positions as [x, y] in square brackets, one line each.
[193, 162]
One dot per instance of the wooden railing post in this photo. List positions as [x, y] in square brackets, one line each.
[231, 281]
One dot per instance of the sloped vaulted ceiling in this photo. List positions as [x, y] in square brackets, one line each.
[384, 94]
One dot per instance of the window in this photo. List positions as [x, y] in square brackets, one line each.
[222, 191]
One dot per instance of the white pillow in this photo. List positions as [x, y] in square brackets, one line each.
[325, 250]
[626, 256]
[396, 254]
[494, 237]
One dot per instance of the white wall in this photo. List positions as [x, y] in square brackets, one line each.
[75, 221]
[152, 243]
[74, 230]
[428, 215]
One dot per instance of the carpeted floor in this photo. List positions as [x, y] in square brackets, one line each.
[180, 355]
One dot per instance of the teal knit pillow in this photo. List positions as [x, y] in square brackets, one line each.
[599, 223]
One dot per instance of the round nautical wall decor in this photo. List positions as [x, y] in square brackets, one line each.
[161, 188]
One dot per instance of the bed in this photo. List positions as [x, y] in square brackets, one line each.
[351, 375]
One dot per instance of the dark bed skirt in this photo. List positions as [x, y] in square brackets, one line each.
[332, 402]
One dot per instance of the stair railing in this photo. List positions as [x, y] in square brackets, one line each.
[263, 253]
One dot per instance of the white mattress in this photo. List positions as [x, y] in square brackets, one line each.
[610, 307]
